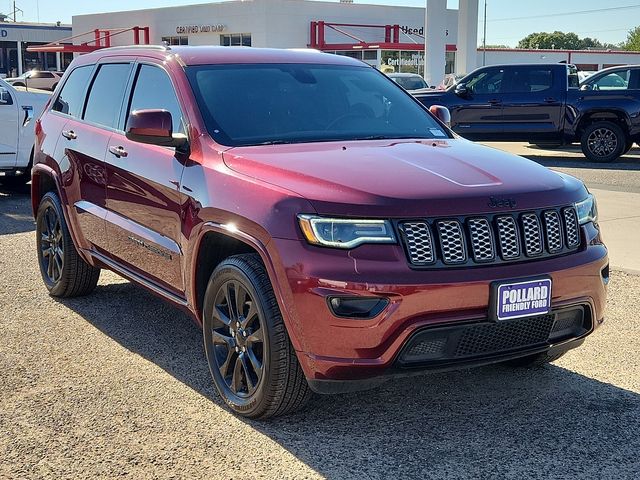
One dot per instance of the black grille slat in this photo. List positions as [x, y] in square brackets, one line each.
[571, 230]
[451, 242]
[493, 238]
[419, 242]
[532, 234]
[482, 243]
[508, 237]
[553, 231]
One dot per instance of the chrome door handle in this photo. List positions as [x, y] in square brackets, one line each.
[118, 151]
[69, 134]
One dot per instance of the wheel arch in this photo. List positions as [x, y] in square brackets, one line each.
[216, 242]
[620, 117]
[43, 179]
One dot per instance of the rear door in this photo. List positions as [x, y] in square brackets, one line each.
[143, 200]
[83, 143]
[478, 115]
[8, 128]
[533, 102]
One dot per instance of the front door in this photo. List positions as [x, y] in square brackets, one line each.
[143, 199]
[8, 128]
[478, 115]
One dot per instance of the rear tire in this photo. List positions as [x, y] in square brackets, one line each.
[533, 361]
[64, 272]
[251, 359]
[603, 142]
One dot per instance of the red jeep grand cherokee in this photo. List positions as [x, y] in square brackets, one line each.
[325, 229]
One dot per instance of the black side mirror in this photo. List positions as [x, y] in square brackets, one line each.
[154, 127]
[461, 90]
[586, 88]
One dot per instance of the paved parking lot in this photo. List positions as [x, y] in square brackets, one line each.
[115, 384]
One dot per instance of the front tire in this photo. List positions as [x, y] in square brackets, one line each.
[251, 359]
[64, 272]
[603, 142]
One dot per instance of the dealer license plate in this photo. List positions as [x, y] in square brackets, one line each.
[522, 299]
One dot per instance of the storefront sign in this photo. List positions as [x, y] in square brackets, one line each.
[412, 31]
[3, 33]
[186, 29]
[415, 60]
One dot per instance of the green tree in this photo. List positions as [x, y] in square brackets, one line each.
[560, 41]
[633, 40]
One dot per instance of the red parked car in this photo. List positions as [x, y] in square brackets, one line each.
[325, 229]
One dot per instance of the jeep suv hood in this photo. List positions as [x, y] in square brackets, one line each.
[403, 178]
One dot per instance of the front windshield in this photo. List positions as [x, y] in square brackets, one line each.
[295, 103]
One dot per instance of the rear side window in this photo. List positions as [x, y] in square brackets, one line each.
[106, 94]
[527, 80]
[70, 99]
[154, 90]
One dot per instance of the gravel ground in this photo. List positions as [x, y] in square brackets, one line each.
[116, 384]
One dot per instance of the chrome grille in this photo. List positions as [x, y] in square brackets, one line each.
[508, 237]
[482, 245]
[451, 242]
[571, 227]
[553, 231]
[532, 234]
[497, 238]
[419, 242]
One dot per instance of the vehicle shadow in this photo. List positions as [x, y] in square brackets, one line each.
[491, 422]
[15, 210]
[570, 156]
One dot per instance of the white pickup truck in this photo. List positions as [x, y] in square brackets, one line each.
[18, 109]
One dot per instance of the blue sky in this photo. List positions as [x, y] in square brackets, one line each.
[505, 22]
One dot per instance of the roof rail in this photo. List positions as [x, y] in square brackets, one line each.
[137, 47]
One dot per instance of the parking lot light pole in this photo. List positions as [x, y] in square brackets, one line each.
[484, 36]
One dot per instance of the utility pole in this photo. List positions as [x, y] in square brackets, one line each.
[15, 11]
[484, 36]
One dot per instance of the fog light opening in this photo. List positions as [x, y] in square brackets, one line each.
[357, 307]
[605, 275]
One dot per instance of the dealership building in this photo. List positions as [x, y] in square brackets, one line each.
[16, 37]
[388, 37]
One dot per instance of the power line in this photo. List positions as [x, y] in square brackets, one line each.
[548, 15]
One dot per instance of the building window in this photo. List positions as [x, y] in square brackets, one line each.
[236, 40]
[175, 40]
[450, 66]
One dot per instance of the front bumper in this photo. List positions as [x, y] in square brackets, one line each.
[332, 349]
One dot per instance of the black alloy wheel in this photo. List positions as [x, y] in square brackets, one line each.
[253, 364]
[64, 272]
[238, 339]
[603, 142]
[51, 245]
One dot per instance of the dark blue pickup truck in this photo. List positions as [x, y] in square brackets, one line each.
[544, 104]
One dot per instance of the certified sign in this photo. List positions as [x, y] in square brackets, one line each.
[523, 299]
[182, 29]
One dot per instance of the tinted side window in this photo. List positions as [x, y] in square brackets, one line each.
[70, 99]
[613, 81]
[487, 82]
[106, 94]
[153, 90]
[527, 80]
